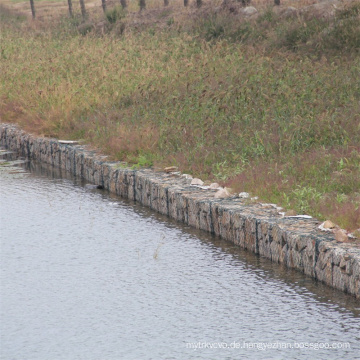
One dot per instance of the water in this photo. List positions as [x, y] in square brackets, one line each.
[87, 275]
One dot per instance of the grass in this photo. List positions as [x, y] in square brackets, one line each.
[269, 106]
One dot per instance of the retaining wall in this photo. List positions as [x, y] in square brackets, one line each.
[295, 242]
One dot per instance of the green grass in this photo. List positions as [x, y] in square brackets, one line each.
[270, 114]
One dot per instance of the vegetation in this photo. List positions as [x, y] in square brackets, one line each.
[269, 105]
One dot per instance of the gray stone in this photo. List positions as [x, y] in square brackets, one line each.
[222, 193]
[248, 11]
[197, 181]
[324, 10]
[289, 12]
[214, 186]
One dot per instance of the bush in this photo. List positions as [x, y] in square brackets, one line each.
[345, 33]
[220, 26]
[211, 27]
[85, 28]
[115, 14]
[301, 32]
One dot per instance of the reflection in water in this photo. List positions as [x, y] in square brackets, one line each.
[86, 275]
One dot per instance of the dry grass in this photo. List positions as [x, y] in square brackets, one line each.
[254, 104]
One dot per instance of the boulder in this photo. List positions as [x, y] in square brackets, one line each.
[187, 176]
[214, 186]
[248, 11]
[288, 12]
[340, 235]
[197, 181]
[222, 193]
[328, 225]
[324, 10]
[170, 169]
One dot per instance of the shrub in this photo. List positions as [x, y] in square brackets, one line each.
[345, 33]
[85, 28]
[212, 27]
[115, 14]
[301, 32]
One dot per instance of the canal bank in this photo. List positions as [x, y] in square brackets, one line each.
[293, 241]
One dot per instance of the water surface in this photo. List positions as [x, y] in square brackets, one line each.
[87, 275]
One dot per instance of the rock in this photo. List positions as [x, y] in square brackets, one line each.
[324, 10]
[187, 176]
[244, 195]
[328, 225]
[197, 181]
[85, 28]
[288, 12]
[266, 206]
[248, 11]
[170, 169]
[356, 234]
[214, 186]
[101, 26]
[340, 235]
[222, 193]
[290, 213]
[68, 142]
[347, 257]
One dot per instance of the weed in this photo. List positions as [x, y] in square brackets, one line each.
[268, 16]
[217, 101]
[350, 12]
[341, 198]
[304, 197]
[356, 233]
[11, 16]
[143, 160]
[85, 28]
[115, 14]
[345, 33]
[300, 32]
[213, 27]
[156, 253]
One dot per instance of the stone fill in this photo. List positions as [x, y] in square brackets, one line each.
[293, 241]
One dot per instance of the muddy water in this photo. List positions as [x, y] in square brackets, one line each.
[86, 275]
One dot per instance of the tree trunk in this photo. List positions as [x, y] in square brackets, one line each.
[186, 2]
[103, 4]
[70, 8]
[142, 4]
[166, 2]
[32, 5]
[123, 4]
[198, 3]
[83, 10]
